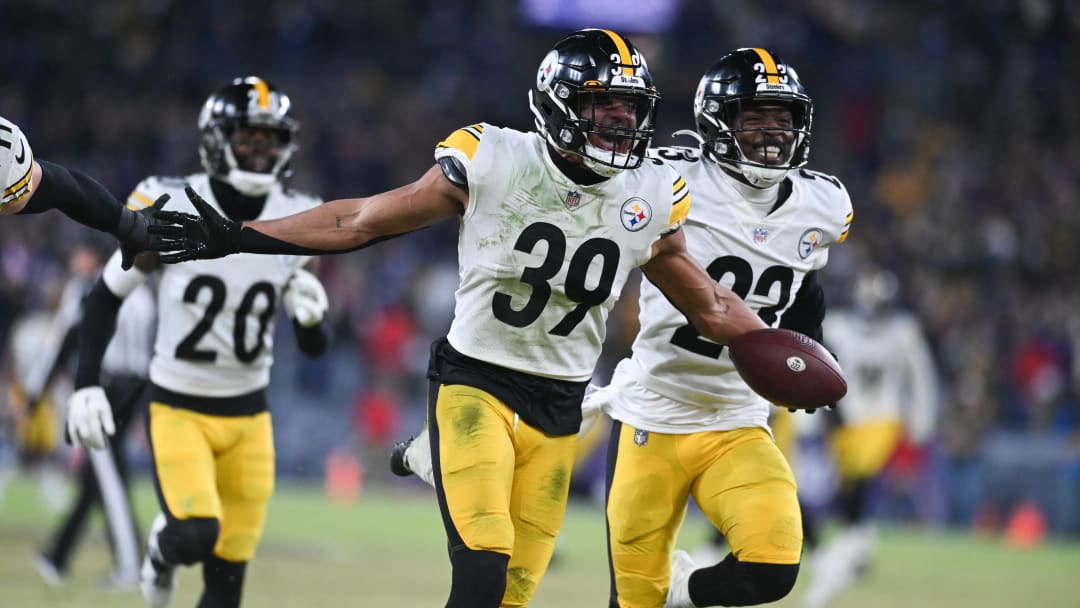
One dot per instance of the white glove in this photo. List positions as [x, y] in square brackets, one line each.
[305, 298]
[89, 418]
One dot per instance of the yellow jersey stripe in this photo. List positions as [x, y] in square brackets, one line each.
[772, 76]
[264, 92]
[624, 52]
[680, 206]
[138, 200]
[847, 227]
[22, 184]
[466, 139]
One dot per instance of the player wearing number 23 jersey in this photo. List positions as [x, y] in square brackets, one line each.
[686, 424]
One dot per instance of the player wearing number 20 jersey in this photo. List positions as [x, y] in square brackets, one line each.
[217, 334]
[686, 424]
[210, 428]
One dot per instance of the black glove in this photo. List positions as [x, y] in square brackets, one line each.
[135, 233]
[195, 237]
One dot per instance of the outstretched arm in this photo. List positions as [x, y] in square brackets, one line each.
[713, 309]
[334, 227]
[29, 186]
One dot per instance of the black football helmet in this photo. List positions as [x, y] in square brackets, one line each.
[588, 68]
[739, 79]
[246, 102]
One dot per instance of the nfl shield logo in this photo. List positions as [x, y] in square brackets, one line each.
[641, 437]
[573, 198]
[761, 235]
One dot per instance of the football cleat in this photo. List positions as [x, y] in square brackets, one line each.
[48, 571]
[682, 566]
[157, 579]
[398, 466]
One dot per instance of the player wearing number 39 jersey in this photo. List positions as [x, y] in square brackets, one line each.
[209, 420]
[551, 223]
[686, 424]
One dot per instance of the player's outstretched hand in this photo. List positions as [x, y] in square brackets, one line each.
[136, 236]
[195, 237]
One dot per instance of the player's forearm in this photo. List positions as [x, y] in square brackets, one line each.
[725, 316]
[334, 227]
[328, 228]
[100, 309]
[313, 341]
[78, 196]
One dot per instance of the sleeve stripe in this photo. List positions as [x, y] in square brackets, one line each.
[678, 185]
[466, 139]
[680, 209]
[138, 200]
[847, 227]
[20, 188]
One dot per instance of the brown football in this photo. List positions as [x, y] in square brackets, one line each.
[788, 368]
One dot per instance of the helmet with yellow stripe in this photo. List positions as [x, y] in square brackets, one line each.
[735, 109]
[594, 97]
[247, 135]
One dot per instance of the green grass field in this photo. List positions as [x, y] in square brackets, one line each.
[387, 550]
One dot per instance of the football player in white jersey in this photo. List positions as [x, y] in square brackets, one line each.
[892, 393]
[209, 420]
[551, 224]
[29, 185]
[685, 423]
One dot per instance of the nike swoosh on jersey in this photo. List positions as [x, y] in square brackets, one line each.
[21, 156]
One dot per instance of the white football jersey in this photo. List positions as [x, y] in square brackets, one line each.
[16, 163]
[677, 381]
[215, 333]
[889, 369]
[542, 259]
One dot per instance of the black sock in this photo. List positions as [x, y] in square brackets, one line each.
[223, 583]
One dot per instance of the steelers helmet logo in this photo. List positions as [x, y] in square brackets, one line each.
[636, 214]
[547, 71]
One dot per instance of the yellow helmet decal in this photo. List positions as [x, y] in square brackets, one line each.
[772, 75]
[624, 52]
[264, 92]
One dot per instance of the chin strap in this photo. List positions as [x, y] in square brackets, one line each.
[250, 183]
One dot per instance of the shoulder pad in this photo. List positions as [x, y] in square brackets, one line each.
[454, 171]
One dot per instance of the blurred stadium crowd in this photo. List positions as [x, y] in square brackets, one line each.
[954, 125]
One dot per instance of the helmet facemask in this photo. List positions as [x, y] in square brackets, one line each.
[234, 118]
[777, 148]
[747, 102]
[594, 98]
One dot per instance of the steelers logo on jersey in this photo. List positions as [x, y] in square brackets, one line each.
[809, 241]
[636, 214]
